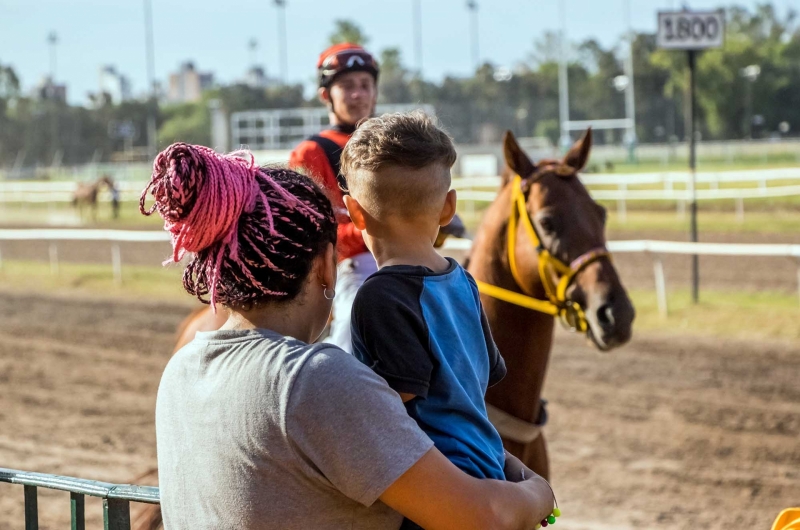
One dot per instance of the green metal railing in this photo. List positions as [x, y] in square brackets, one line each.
[116, 497]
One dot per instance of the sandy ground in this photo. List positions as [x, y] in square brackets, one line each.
[670, 432]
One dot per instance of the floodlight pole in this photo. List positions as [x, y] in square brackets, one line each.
[152, 105]
[563, 81]
[418, 36]
[281, 5]
[630, 102]
[472, 5]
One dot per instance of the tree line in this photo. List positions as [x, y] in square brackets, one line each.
[731, 105]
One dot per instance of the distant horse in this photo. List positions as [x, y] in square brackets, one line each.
[540, 255]
[85, 195]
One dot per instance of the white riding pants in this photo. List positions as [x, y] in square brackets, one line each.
[352, 273]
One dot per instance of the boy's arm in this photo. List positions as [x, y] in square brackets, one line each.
[390, 335]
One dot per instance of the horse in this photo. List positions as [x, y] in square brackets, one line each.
[540, 255]
[200, 319]
[86, 195]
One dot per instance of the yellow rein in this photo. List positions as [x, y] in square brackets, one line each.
[557, 304]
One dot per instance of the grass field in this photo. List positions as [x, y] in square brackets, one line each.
[672, 225]
[706, 164]
[778, 221]
[162, 283]
[63, 214]
[720, 313]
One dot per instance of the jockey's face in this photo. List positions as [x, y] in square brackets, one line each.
[353, 96]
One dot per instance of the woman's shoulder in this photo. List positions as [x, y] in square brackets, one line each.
[328, 373]
[263, 355]
[328, 364]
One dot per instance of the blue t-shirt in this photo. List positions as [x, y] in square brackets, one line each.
[427, 335]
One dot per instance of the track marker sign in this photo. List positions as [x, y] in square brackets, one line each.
[690, 30]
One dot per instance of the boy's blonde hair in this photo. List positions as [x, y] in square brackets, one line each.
[413, 155]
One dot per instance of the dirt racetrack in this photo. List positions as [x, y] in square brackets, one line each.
[671, 432]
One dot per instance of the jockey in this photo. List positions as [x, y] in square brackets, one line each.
[348, 86]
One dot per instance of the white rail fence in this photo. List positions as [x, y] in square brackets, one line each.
[53, 236]
[61, 191]
[456, 247]
[460, 247]
[666, 178]
[481, 189]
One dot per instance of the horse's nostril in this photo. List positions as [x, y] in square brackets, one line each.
[605, 316]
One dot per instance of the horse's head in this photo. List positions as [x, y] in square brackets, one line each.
[571, 261]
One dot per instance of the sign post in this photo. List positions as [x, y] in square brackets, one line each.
[691, 31]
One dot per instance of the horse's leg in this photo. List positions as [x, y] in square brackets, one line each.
[149, 518]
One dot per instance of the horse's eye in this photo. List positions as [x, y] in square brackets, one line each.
[547, 225]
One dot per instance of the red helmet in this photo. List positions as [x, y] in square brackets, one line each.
[343, 58]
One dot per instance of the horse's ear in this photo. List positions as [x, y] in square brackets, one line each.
[516, 159]
[578, 155]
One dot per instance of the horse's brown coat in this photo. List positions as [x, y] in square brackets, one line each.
[86, 194]
[569, 223]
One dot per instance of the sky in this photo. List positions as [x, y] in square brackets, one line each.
[215, 34]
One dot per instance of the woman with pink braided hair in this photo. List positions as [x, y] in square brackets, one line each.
[258, 428]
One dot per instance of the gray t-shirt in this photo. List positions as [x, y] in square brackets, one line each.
[260, 431]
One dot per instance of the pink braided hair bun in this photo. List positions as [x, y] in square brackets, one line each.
[202, 197]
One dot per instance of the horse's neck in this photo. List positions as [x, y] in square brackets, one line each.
[524, 337]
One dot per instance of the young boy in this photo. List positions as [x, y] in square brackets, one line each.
[418, 322]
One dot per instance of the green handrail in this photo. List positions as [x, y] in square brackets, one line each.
[116, 497]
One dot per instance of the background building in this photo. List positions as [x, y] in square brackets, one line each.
[113, 83]
[187, 84]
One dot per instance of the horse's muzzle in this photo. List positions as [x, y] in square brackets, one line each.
[611, 323]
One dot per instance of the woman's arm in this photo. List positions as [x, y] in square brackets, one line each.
[437, 495]
[345, 419]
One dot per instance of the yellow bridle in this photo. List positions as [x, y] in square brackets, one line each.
[557, 304]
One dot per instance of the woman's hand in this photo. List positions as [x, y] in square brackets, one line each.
[515, 470]
[437, 495]
[542, 493]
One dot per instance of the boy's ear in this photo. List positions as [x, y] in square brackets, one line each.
[356, 212]
[449, 208]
